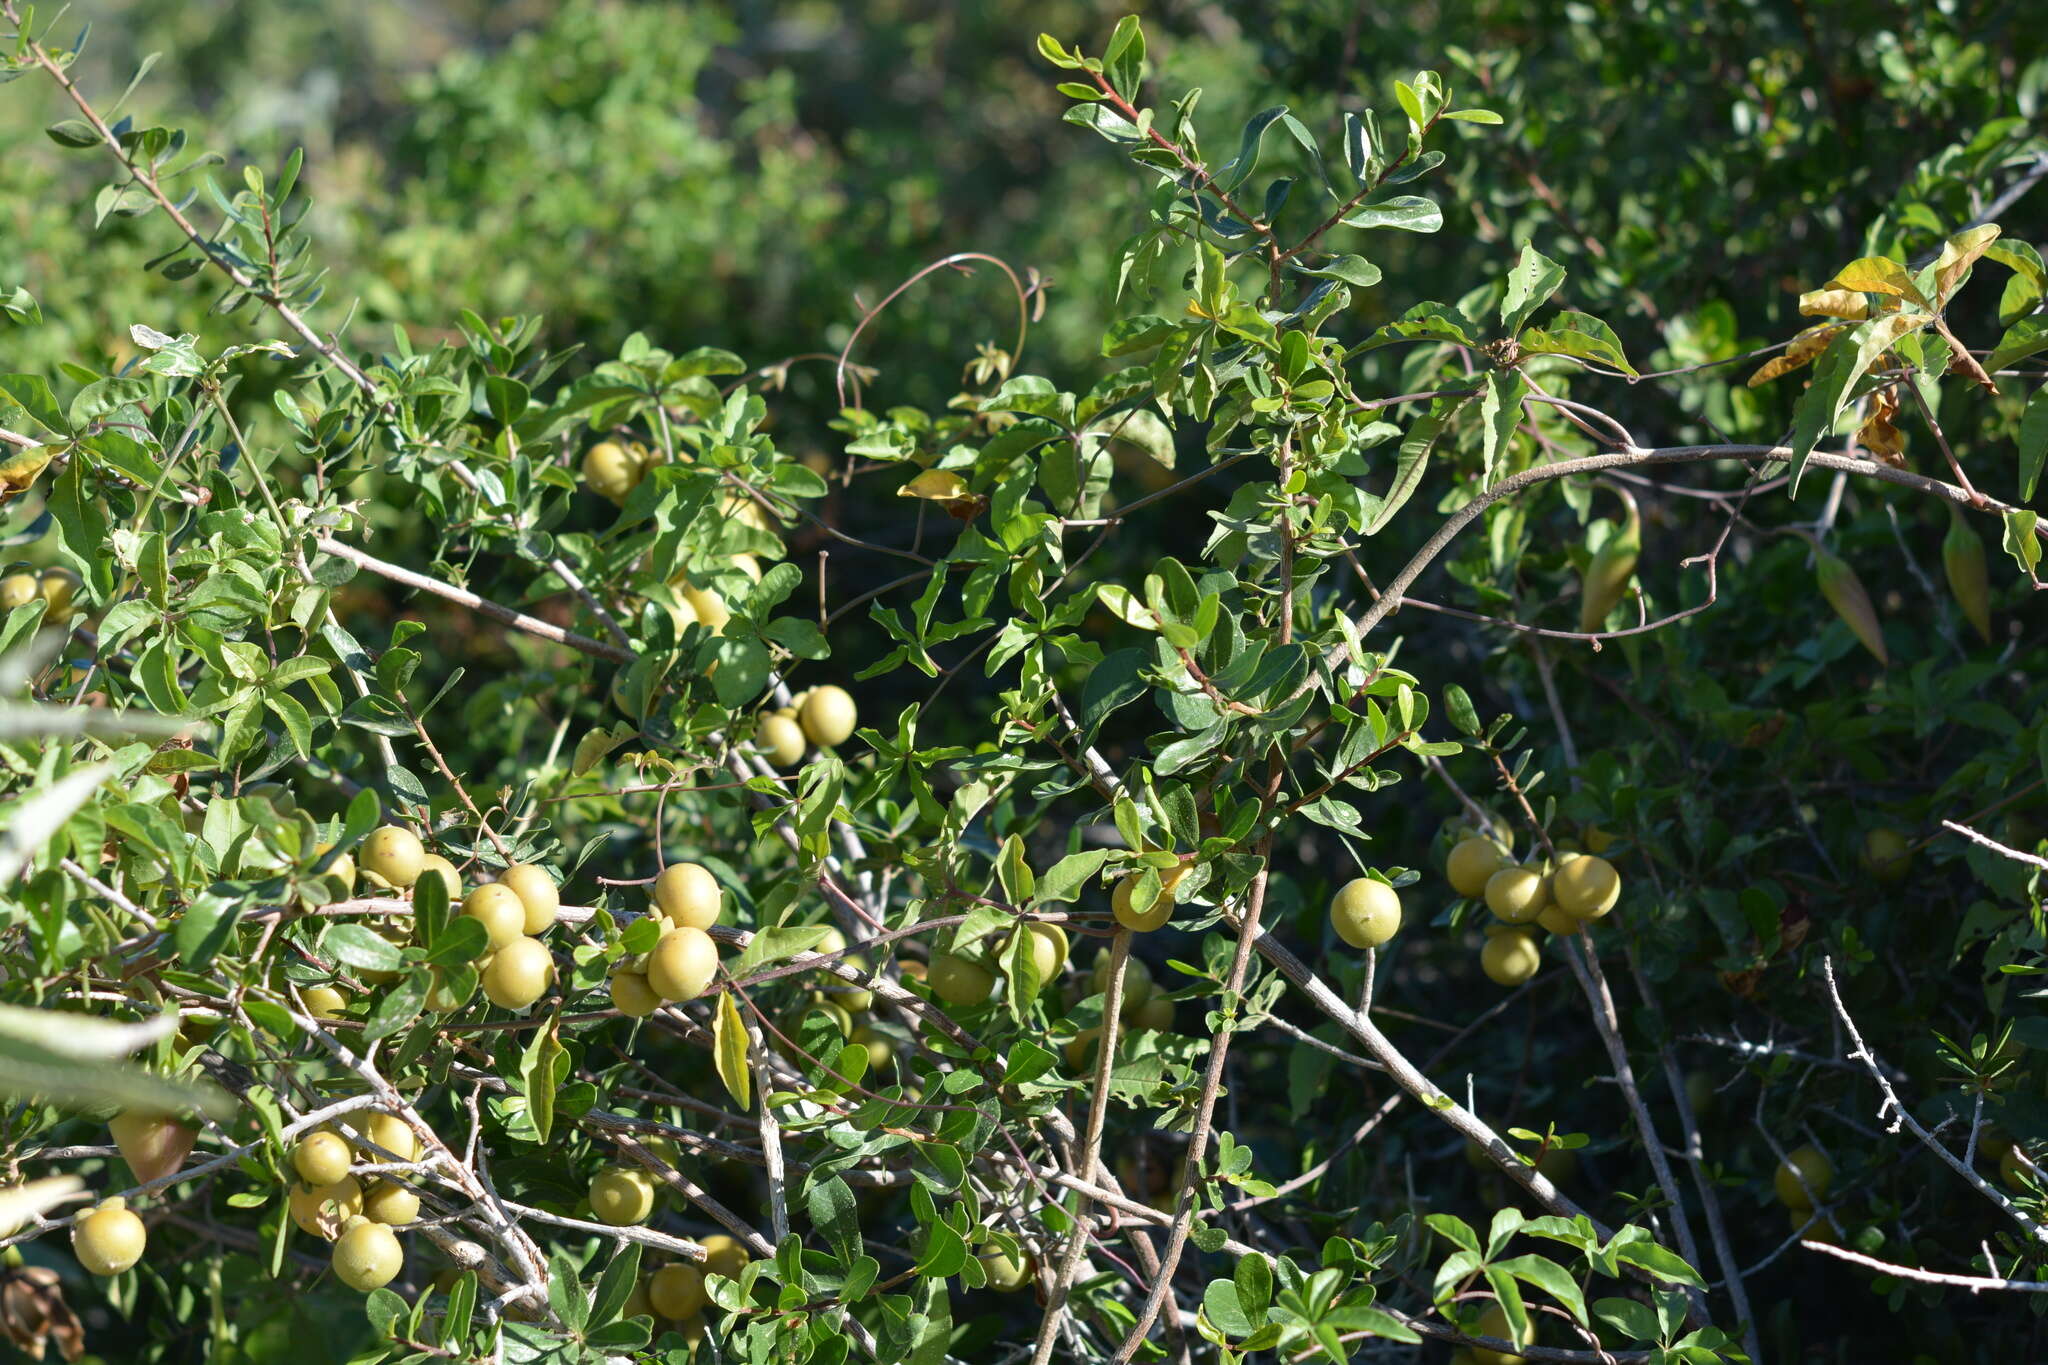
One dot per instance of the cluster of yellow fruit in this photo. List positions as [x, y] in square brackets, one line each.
[1155, 915]
[1801, 1183]
[1561, 894]
[1145, 1006]
[676, 1291]
[822, 717]
[961, 980]
[684, 961]
[520, 905]
[54, 586]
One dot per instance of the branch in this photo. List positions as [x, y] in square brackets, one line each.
[1973, 1283]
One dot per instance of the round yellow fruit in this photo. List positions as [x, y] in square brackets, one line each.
[500, 911]
[827, 716]
[1517, 894]
[537, 892]
[687, 894]
[1048, 949]
[723, 1255]
[1887, 854]
[154, 1145]
[683, 964]
[782, 739]
[1366, 912]
[56, 589]
[1006, 1273]
[109, 1240]
[845, 994]
[1805, 1164]
[632, 996]
[1138, 985]
[367, 1256]
[393, 855]
[958, 981]
[1080, 1048]
[1156, 1013]
[1510, 959]
[18, 590]
[386, 1133]
[322, 1158]
[1597, 839]
[325, 1002]
[1472, 862]
[1159, 912]
[1585, 886]
[391, 1203]
[1557, 921]
[434, 865]
[1494, 1323]
[706, 607]
[518, 974]
[321, 1210]
[622, 1195]
[881, 1049]
[611, 471]
[677, 1291]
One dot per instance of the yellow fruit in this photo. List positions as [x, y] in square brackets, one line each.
[1510, 959]
[843, 993]
[1156, 1013]
[611, 471]
[518, 974]
[1585, 885]
[1558, 922]
[153, 1145]
[322, 1158]
[827, 716]
[391, 1203]
[1597, 839]
[537, 892]
[622, 1195]
[708, 607]
[723, 1255]
[393, 855]
[434, 865]
[1161, 909]
[1365, 912]
[632, 996]
[18, 589]
[683, 964]
[1471, 863]
[688, 894]
[677, 1291]
[1494, 1323]
[1006, 1273]
[1048, 949]
[499, 910]
[109, 1240]
[832, 942]
[342, 868]
[1805, 1164]
[325, 1002]
[386, 1133]
[958, 981]
[1138, 985]
[1887, 854]
[782, 739]
[441, 996]
[881, 1050]
[56, 589]
[1517, 894]
[637, 1304]
[1811, 1226]
[1080, 1049]
[367, 1256]
[322, 1209]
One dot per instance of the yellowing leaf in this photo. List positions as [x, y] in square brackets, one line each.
[1958, 254]
[729, 1050]
[18, 471]
[1835, 303]
[937, 485]
[1877, 275]
[1803, 349]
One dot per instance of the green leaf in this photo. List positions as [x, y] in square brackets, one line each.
[1835, 374]
[354, 945]
[729, 1050]
[1124, 59]
[1454, 1230]
[1352, 270]
[1222, 1302]
[2033, 441]
[1661, 1262]
[1500, 411]
[834, 1213]
[1530, 284]
[1412, 463]
[541, 1068]
[2027, 337]
[1404, 212]
[1550, 1277]
[1583, 338]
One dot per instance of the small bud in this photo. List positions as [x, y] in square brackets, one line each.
[1844, 591]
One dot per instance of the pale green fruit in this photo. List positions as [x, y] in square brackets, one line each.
[723, 1255]
[367, 1256]
[622, 1195]
[385, 1133]
[1366, 912]
[1887, 854]
[391, 1203]
[958, 981]
[1048, 949]
[1471, 863]
[518, 974]
[611, 471]
[1558, 921]
[500, 911]
[687, 894]
[677, 1291]
[322, 1210]
[434, 865]
[683, 964]
[828, 716]
[1517, 894]
[632, 996]
[153, 1145]
[536, 891]
[322, 1158]
[1510, 959]
[1585, 885]
[1817, 1172]
[325, 1002]
[711, 610]
[1006, 1273]
[1159, 912]
[781, 739]
[393, 854]
[110, 1239]
[17, 590]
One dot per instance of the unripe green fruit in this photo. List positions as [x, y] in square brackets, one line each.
[637, 1304]
[781, 739]
[1366, 912]
[632, 996]
[391, 1203]
[434, 865]
[881, 1049]
[828, 716]
[441, 994]
[1138, 986]
[393, 855]
[1006, 1274]
[1156, 1013]
[958, 981]
[1585, 885]
[322, 1158]
[153, 1145]
[1472, 862]
[321, 1210]
[1510, 959]
[1818, 1174]
[683, 964]
[1887, 854]
[1048, 949]
[677, 1291]
[1155, 915]
[109, 1240]
[832, 942]
[611, 471]
[687, 894]
[367, 1256]
[325, 1002]
[519, 974]
[343, 868]
[386, 1133]
[537, 892]
[622, 1196]
[499, 910]
[1080, 1049]
[1517, 894]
